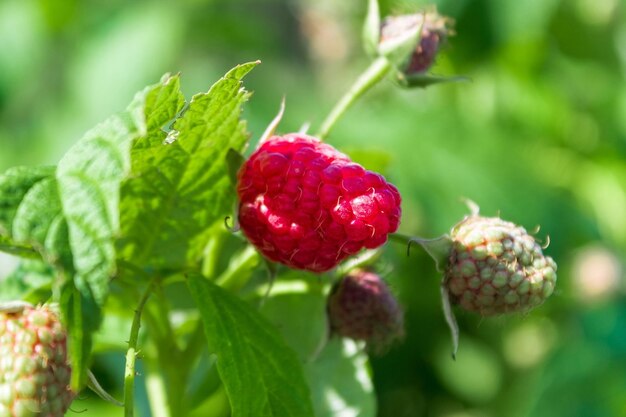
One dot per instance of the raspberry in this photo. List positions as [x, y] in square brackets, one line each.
[361, 307]
[496, 267]
[308, 206]
[34, 373]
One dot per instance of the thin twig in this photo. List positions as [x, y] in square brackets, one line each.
[131, 354]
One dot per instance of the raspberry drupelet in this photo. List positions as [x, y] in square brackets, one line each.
[308, 206]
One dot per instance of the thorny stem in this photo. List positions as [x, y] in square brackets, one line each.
[372, 75]
[131, 354]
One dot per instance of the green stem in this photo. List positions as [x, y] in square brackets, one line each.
[213, 251]
[164, 359]
[239, 270]
[157, 391]
[372, 75]
[131, 355]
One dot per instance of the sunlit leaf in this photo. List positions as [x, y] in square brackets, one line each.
[340, 381]
[15, 184]
[179, 187]
[261, 374]
[31, 281]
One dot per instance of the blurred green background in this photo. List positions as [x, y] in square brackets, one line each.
[538, 135]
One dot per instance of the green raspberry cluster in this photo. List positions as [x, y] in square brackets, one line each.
[34, 373]
[496, 267]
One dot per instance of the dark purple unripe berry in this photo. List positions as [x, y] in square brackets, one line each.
[361, 307]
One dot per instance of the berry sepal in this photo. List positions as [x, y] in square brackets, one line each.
[426, 80]
[371, 28]
[438, 248]
[399, 36]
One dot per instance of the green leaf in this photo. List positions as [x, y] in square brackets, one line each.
[89, 177]
[371, 28]
[337, 370]
[9, 246]
[31, 281]
[438, 249]
[181, 186]
[234, 160]
[31, 213]
[147, 188]
[340, 381]
[81, 316]
[37, 219]
[426, 80]
[293, 296]
[261, 374]
[31, 216]
[14, 184]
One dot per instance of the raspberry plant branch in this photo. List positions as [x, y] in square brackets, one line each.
[378, 69]
[131, 353]
[164, 359]
[239, 270]
[157, 392]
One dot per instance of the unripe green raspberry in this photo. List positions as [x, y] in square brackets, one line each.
[496, 267]
[34, 372]
[361, 307]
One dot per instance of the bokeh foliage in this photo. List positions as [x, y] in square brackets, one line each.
[538, 135]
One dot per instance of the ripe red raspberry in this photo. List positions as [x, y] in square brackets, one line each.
[361, 307]
[34, 373]
[306, 205]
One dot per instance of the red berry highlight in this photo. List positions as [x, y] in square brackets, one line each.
[308, 206]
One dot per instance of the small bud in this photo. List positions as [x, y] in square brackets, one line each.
[414, 39]
[362, 307]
